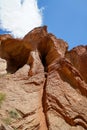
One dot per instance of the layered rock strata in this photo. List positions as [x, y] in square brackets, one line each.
[44, 86]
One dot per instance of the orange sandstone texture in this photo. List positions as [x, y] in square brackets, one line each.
[78, 57]
[46, 87]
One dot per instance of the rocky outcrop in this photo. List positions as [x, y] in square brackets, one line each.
[5, 36]
[78, 57]
[66, 97]
[48, 90]
[21, 108]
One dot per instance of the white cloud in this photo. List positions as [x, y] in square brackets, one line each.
[19, 16]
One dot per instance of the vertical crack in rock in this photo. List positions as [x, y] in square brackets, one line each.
[60, 96]
[44, 105]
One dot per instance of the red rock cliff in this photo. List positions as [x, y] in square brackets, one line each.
[47, 89]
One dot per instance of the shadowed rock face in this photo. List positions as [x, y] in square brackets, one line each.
[14, 52]
[48, 87]
[18, 52]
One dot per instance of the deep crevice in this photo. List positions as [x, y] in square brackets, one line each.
[44, 105]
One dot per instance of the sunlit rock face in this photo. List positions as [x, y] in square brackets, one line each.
[78, 57]
[43, 86]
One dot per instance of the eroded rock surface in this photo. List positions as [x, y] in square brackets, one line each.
[22, 107]
[66, 97]
[78, 57]
[48, 87]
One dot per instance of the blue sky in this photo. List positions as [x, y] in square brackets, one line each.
[67, 19]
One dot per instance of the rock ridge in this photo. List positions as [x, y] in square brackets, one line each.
[43, 86]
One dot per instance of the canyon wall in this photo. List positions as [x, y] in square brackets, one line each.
[43, 86]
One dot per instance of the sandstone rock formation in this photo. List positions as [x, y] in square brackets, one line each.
[5, 36]
[78, 57]
[46, 88]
